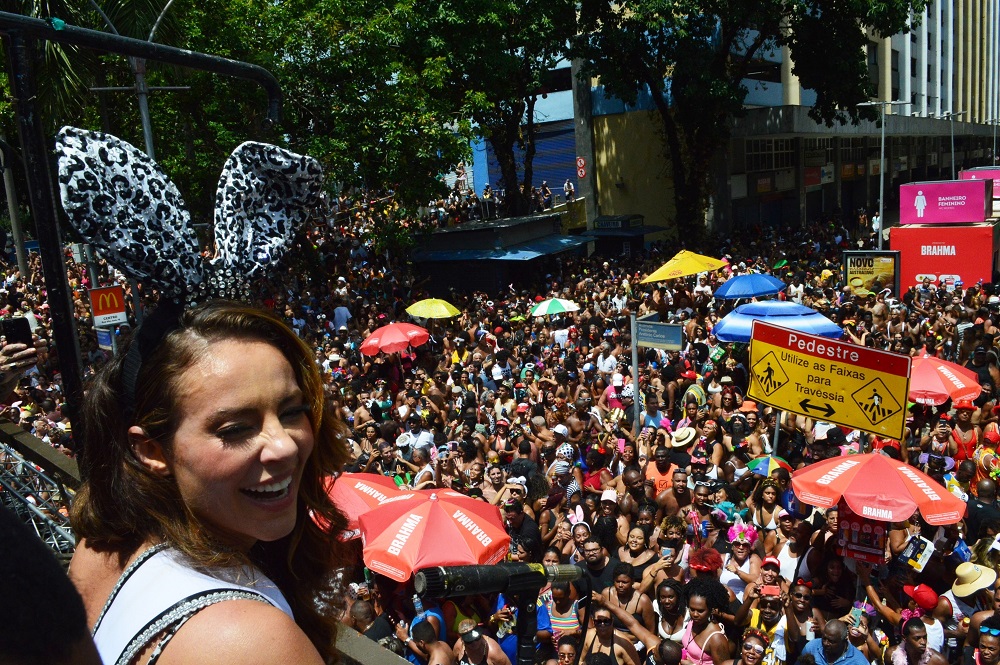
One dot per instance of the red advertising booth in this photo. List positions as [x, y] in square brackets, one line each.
[946, 254]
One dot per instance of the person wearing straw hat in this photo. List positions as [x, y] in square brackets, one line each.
[970, 591]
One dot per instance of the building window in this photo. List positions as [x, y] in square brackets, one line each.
[769, 154]
[873, 71]
[558, 80]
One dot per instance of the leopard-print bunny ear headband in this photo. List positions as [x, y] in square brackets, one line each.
[123, 204]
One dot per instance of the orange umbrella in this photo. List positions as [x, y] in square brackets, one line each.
[357, 493]
[394, 337]
[431, 528]
[935, 381]
[877, 487]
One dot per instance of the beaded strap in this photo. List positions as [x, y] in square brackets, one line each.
[141, 559]
[171, 620]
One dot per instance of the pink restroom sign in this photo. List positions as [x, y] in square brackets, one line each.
[983, 173]
[946, 202]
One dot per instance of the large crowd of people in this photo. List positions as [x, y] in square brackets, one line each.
[689, 554]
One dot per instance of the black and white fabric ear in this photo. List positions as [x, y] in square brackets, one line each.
[265, 195]
[123, 203]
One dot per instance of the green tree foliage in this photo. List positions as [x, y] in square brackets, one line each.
[693, 58]
[493, 57]
[350, 99]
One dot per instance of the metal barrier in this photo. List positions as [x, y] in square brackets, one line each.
[37, 491]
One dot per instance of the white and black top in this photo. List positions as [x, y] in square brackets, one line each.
[159, 592]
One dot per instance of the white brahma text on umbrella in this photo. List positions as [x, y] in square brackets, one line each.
[473, 528]
[836, 472]
[924, 487]
[404, 534]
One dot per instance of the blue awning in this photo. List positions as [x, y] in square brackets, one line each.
[551, 244]
[632, 232]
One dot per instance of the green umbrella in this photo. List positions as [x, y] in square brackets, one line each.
[554, 306]
[781, 264]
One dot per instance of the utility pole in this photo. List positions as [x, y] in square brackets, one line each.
[881, 168]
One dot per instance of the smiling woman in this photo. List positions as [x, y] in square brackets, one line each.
[203, 495]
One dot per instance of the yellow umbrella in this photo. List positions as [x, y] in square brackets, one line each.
[683, 264]
[432, 308]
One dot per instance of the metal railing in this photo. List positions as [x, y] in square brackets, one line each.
[41, 501]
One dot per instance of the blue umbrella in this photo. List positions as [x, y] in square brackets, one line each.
[750, 286]
[736, 325]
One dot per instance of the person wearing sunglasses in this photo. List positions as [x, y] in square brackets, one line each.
[978, 619]
[809, 618]
[773, 618]
[988, 652]
[752, 649]
[602, 639]
[658, 651]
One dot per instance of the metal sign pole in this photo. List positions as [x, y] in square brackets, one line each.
[22, 52]
[635, 374]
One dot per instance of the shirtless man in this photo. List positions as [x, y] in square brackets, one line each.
[424, 642]
[677, 496]
[880, 312]
[634, 493]
[476, 648]
[582, 420]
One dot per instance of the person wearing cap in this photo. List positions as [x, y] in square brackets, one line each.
[980, 364]
[923, 604]
[966, 436]
[475, 647]
[460, 354]
[610, 398]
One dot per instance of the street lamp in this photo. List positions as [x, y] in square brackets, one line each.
[993, 155]
[881, 168]
[951, 122]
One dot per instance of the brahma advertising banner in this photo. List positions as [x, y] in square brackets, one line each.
[945, 254]
[946, 202]
[866, 271]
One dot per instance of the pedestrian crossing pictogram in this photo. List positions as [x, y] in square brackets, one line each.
[876, 401]
[769, 374]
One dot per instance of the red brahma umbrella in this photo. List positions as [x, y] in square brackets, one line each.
[394, 337]
[357, 493]
[433, 528]
[935, 381]
[877, 487]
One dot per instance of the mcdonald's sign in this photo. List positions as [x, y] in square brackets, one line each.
[108, 306]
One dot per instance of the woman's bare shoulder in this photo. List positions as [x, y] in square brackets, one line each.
[243, 632]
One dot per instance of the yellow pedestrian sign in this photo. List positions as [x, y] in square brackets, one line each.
[769, 374]
[876, 401]
[829, 380]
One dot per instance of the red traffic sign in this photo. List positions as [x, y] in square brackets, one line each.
[581, 162]
[108, 306]
[581, 172]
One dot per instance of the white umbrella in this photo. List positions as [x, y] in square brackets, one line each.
[554, 306]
